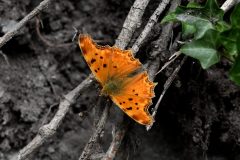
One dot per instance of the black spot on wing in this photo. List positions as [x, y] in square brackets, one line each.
[93, 60]
[129, 108]
[130, 99]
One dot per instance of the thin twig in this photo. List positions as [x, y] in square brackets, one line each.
[48, 130]
[132, 22]
[170, 60]
[10, 34]
[100, 126]
[167, 84]
[5, 57]
[48, 112]
[228, 4]
[44, 40]
[152, 20]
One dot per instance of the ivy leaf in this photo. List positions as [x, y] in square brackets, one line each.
[212, 37]
[169, 17]
[235, 71]
[222, 26]
[238, 45]
[203, 51]
[229, 41]
[235, 17]
[213, 9]
[194, 5]
[187, 30]
[172, 15]
[201, 24]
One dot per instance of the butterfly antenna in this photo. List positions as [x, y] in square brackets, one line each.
[76, 32]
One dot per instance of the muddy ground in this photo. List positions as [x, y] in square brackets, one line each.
[199, 117]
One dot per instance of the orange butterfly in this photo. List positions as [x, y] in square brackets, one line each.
[118, 73]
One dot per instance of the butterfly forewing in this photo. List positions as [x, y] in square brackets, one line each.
[97, 57]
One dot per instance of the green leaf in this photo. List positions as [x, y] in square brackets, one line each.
[202, 25]
[229, 41]
[213, 9]
[203, 51]
[194, 5]
[222, 26]
[187, 30]
[235, 71]
[169, 17]
[212, 37]
[172, 15]
[238, 45]
[235, 16]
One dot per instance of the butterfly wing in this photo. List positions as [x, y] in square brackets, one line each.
[135, 98]
[123, 63]
[97, 57]
[105, 61]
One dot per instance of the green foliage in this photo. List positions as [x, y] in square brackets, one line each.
[208, 37]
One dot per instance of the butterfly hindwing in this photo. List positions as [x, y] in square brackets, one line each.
[135, 98]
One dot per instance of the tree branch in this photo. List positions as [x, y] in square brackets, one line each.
[228, 4]
[152, 20]
[10, 34]
[132, 22]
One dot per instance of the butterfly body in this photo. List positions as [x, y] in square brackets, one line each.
[112, 87]
[118, 73]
